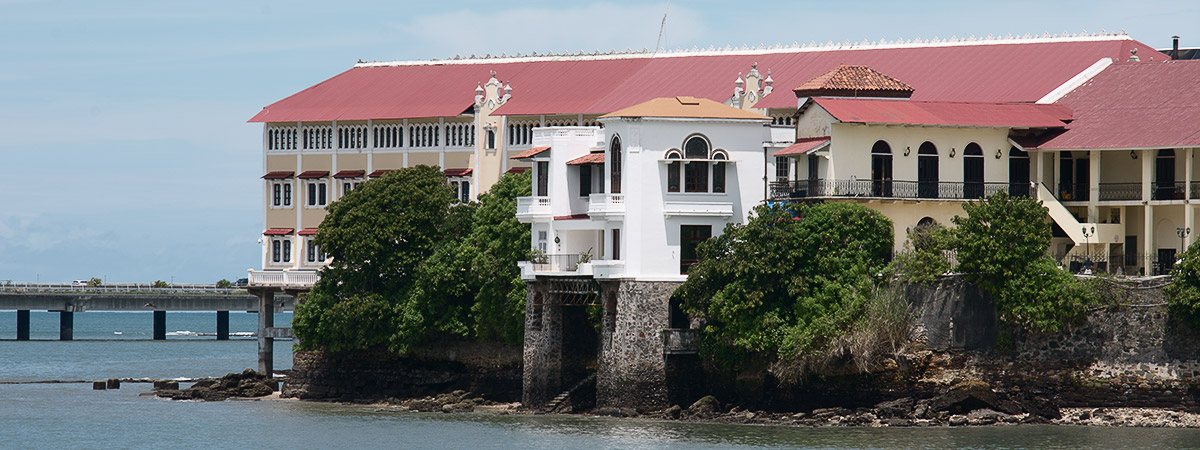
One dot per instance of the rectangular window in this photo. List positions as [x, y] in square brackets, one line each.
[466, 191]
[718, 177]
[313, 251]
[690, 237]
[276, 194]
[673, 177]
[287, 194]
[542, 241]
[317, 194]
[543, 179]
[312, 194]
[781, 168]
[276, 249]
[585, 180]
[281, 194]
[454, 189]
[321, 200]
[281, 250]
[695, 177]
[616, 243]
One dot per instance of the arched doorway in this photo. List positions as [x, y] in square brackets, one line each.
[972, 171]
[927, 171]
[881, 169]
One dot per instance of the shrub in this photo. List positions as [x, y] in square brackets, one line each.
[224, 284]
[924, 256]
[1183, 294]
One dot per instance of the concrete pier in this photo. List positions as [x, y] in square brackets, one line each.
[66, 325]
[222, 325]
[23, 325]
[266, 321]
[160, 325]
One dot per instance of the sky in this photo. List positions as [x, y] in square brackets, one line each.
[124, 148]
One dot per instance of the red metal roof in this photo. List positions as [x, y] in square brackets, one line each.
[590, 158]
[349, 173]
[534, 151]
[457, 172]
[379, 173]
[310, 174]
[1135, 105]
[909, 112]
[308, 232]
[278, 175]
[803, 145]
[517, 170]
[984, 71]
[278, 231]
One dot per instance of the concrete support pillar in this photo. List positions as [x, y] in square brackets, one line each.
[1189, 213]
[160, 325]
[266, 344]
[1148, 242]
[222, 325]
[1094, 186]
[66, 325]
[1147, 177]
[23, 325]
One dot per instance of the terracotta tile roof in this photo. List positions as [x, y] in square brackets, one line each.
[804, 145]
[457, 172]
[278, 231]
[278, 175]
[531, 152]
[518, 170]
[911, 112]
[1139, 105]
[685, 107]
[590, 158]
[349, 173]
[853, 81]
[379, 173]
[310, 174]
[308, 232]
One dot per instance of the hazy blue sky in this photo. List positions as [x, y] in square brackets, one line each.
[124, 147]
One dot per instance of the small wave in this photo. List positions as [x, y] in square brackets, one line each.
[242, 333]
[118, 333]
[183, 333]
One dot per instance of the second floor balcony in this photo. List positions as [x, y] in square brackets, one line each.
[606, 204]
[943, 190]
[1127, 191]
[529, 208]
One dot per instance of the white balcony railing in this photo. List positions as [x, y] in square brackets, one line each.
[606, 204]
[528, 207]
[283, 278]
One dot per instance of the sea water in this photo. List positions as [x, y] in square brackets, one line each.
[36, 414]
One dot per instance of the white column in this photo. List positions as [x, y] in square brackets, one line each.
[1148, 242]
[1094, 186]
[1189, 213]
[407, 134]
[1147, 174]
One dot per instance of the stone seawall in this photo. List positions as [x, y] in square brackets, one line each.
[490, 371]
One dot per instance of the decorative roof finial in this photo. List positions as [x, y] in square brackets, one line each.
[1133, 57]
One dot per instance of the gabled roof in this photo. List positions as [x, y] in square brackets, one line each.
[911, 112]
[532, 152]
[853, 81]
[804, 145]
[1134, 106]
[590, 158]
[685, 107]
[1004, 70]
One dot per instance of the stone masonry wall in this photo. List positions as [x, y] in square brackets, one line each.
[632, 370]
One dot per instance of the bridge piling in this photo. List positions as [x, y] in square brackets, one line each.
[222, 325]
[66, 325]
[160, 325]
[23, 325]
[266, 321]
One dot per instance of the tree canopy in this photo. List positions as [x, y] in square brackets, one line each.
[407, 265]
[1183, 294]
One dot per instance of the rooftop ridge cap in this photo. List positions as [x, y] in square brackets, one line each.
[759, 50]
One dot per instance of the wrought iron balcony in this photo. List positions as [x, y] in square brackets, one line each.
[1120, 191]
[948, 190]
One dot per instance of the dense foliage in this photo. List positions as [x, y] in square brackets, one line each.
[925, 254]
[787, 284]
[1183, 294]
[408, 266]
[1002, 243]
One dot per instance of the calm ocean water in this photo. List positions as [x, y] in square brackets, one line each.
[72, 415]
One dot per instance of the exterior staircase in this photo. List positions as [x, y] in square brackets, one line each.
[1105, 233]
[557, 403]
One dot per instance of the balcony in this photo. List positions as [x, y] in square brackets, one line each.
[606, 204]
[287, 279]
[944, 190]
[529, 208]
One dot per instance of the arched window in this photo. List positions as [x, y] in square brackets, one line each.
[1164, 175]
[718, 175]
[614, 165]
[973, 171]
[881, 169]
[1018, 172]
[695, 177]
[673, 170]
[927, 170]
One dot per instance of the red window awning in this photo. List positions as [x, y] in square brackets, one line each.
[379, 173]
[349, 174]
[278, 175]
[310, 174]
[531, 152]
[803, 146]
[590, 158]
[308, 232]
[457, 172]
[278, 231]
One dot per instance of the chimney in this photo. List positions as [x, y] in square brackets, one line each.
[1175, 47]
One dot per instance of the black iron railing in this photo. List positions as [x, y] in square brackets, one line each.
[949, 190]
[1168, 191]
[1120, 191]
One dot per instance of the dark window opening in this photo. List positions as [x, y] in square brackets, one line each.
[690, 237]
[615, 165]
[881, 169]
[585, 180]
[972, 171]
[543, 178]
[927, 171]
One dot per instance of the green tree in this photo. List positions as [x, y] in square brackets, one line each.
[789, 282]
[160, 284]
[924, 258]
[1183, 294]
[224, 284]
[94, 282]
[377, 236]
[1002, 243]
